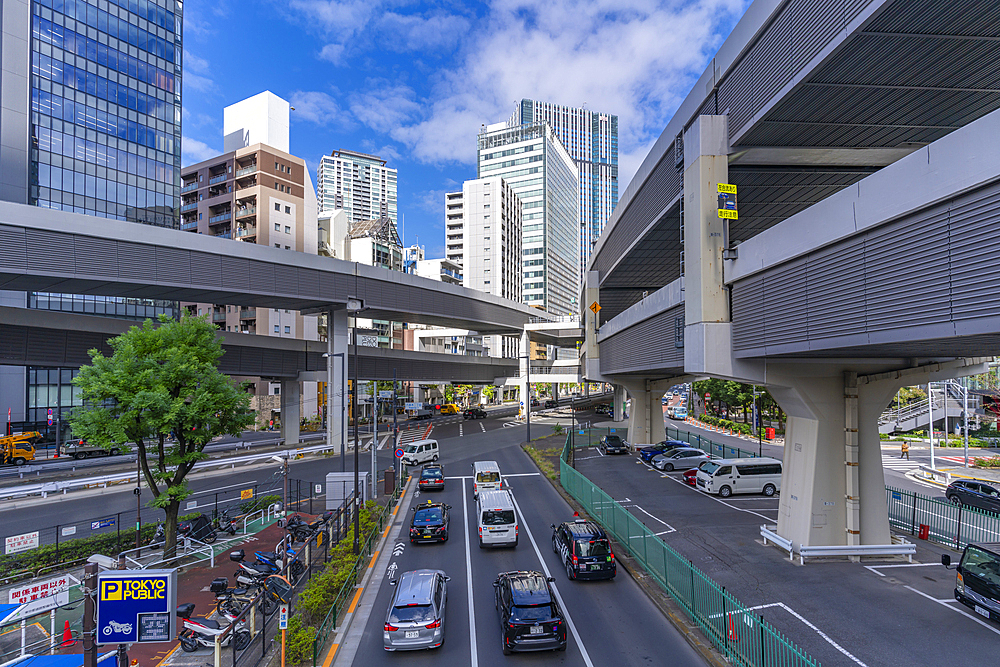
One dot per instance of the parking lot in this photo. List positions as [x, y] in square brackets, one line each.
[871, 613]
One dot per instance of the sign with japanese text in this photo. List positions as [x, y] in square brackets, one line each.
[246, 494]
[103, 523]
[18, 543]
[38, 589]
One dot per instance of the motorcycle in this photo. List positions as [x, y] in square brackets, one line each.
[275, 559]
[302, 531]
[197, 528]
[203, 631]
[249, 574]
[225, 524]
[232, 601]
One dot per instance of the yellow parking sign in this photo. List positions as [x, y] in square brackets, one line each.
[246, 494]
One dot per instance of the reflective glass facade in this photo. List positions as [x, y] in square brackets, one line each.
[105, 108]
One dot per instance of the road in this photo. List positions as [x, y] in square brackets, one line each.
[613, 622]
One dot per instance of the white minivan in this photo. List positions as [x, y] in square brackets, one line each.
[420, 451]
[728, 476]
[497, 519]
[485, 477]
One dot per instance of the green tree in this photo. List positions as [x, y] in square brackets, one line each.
[490, 392]
[161, 379]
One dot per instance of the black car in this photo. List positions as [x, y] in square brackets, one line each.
[534, 403]
[530, 619]
[430, 523]
[612, 444]
[975, 494]
[584, 549]
[431, 477]
[551, 404]
[474, 413]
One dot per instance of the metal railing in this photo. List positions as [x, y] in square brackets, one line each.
[222, 217]
[246, 170]
[189, 207]
[189, 225]
[326, 629]
[217, 179]
[190, 187]
[948, 524]
[741, 635]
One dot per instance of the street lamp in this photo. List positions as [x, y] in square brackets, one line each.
[355, 306]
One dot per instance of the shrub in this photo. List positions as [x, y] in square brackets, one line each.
[557, 429]
[299, 642]
[107, 544]
[991, 462]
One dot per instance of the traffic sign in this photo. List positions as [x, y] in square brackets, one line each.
[707, 396]
[596, 307]
[50, 416]
[385, 393]
[399, 453]
[246, 494]
[283, 617]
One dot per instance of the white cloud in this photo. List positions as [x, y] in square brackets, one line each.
[194, 151]
[333, 53]
[409, 32]
[383, 106]
[316, 107]
[195, 69]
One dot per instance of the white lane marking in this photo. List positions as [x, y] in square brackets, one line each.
[555, 589]
[719, 500]
[876, 568]
[221, 488]
[960, 611]
[468, 577]
[482, 426]
[801, 618]
[523, 474]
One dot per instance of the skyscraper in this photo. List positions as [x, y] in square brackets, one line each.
[534, 163]
[360, 184]
[591, 139]
[90, 108]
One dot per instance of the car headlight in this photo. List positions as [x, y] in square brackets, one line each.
[960, 583]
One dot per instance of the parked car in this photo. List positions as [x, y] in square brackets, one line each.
[534, 403]
[549, 403]
[584, 549]
[691, 476]
[415, 619]
[431, 477]
[679, 458]
[448, 409]
[430, 522]
[530, 618]
[647, 453]
[974, 494]
[612, 444]
[474, 413]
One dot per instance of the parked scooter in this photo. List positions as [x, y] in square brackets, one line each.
[249, 574]
[232, 601]
[203, 631]
[302, 531]
[198, 528]
[276, 558]
[224, 524]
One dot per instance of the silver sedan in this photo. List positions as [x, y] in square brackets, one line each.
[681, 458]
[415, 619]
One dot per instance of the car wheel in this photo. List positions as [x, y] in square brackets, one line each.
[769, 490]
[113, 452]
[79, 456]
[668, 467]
[569, 572]
[555, 547]
[956, 500]
[19, 461]
[434, 460]
[482, 545]
[725, 491]
[503, 645]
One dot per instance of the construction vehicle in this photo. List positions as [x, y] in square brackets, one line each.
[81, 449]
[19, 448]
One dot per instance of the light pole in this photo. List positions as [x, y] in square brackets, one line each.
[355, 306]
[395, 430]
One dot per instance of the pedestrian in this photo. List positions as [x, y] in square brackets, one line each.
[905, 450]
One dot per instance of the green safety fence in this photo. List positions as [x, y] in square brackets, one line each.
[742, 636]
[718, 449]
[946, 523]
[326, 629]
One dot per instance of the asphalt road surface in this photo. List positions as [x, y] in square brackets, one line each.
[612, 622]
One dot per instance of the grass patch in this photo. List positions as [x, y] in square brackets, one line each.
[545, 459]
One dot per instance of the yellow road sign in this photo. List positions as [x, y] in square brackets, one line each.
[727, 188]
[596, 307]
[727, 213]
[246, 494]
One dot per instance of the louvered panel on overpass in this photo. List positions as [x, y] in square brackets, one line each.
[747, 300]
[786, 296]
[649, 346]
[975, 255]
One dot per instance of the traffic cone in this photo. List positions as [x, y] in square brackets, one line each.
[67, 635]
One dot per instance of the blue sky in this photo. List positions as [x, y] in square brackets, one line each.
[413, 81]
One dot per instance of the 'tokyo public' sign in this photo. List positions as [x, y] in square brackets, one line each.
[136, 606]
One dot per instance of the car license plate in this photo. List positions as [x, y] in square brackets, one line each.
[427, 533]
[595, 566]
[412, 634]
[982, 612]
[537, 629]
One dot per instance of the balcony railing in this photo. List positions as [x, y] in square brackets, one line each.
[189, 207]
[249, 230]
[246, 170]
[189, 226]
[222, 217]
[218, 316]
[223, 235]
[248, 210]
[248, 314]
[190, 187]
[218, 179]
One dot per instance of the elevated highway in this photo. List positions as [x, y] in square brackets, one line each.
[862, 138]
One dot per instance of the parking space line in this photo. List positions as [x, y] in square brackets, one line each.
[876, 568]
[555, 589]
[473, 643]
[960, 611]
[718, 500]
[671, 528]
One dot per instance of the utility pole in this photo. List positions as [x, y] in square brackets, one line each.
[90, 616]
[138, 496]
[395, 431]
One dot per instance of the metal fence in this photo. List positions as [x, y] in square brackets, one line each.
[948, 524]
[710, 446]
[742, 636]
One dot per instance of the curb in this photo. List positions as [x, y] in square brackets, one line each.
[662, 600]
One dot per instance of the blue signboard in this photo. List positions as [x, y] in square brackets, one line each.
[103, 523]
[135, 606]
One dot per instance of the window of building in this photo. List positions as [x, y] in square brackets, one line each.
[288, 247]
[199, 215]
[288, 230]
[288, 330]
[277, 207]
[277, 390]
[277, 245]
[276, 166]
[276, 185]
[288, 210]
[276, 329]
[277, 227]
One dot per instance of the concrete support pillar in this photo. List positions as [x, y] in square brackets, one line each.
[523, 390]
[645, 425]
[618, 403]
[418, 394]
[290, 412]
[706, 303]
[591, 322]
[337, 390]
[554, 390]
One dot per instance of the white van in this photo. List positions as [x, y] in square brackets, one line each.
[497, 519]
[728, 476]
[485, 477]
[420, 451]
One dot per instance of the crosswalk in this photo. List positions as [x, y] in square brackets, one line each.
[893, 462]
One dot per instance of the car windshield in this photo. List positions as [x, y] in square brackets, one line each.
[613, 440]
[981, 563]
[587, 548]
[488, 477]
[410, 449]
[431, 474]
[428, 516]
[529, 613]
[498, 517]
[415, 613]
[709, 468]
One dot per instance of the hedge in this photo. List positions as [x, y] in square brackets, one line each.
[73, 551]
[738, 427]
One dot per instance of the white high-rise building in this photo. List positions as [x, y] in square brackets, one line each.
[591, 139]
[360, 184]
[261, 119]
[535, 165]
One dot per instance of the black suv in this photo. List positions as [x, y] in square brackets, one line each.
[474, 413]
[530, 619]
[430, 523]
[550, 403]
[584, 549]
[431, 477]
[975, 494]
[612, 444]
